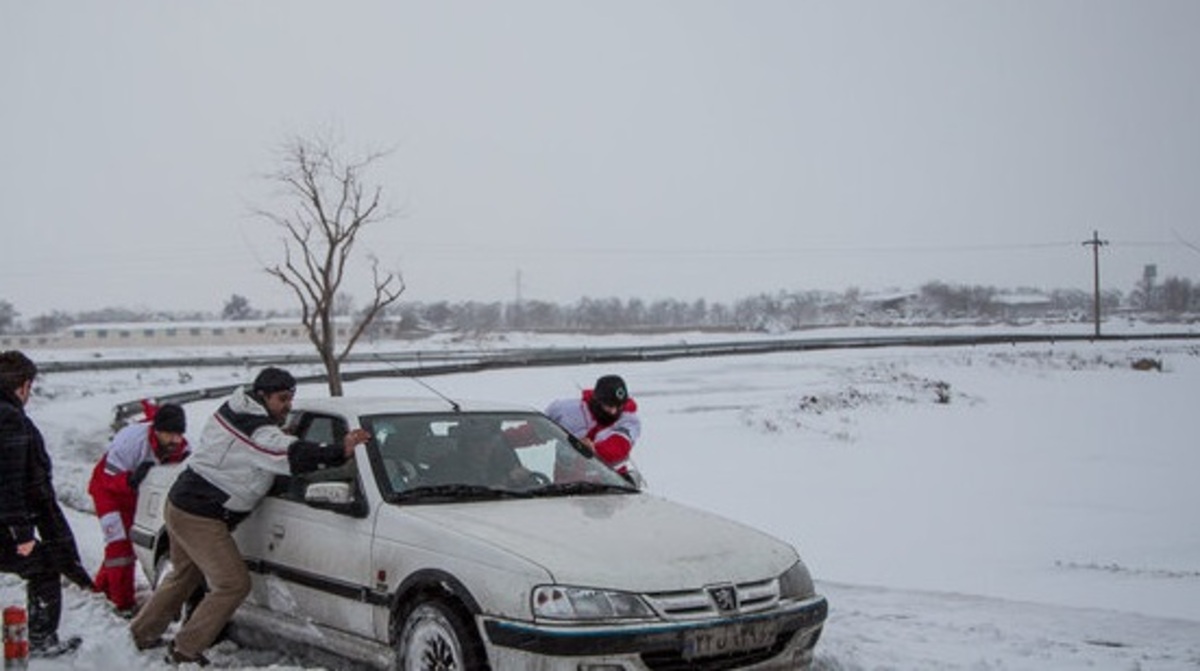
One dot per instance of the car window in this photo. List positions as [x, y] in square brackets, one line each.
[477, 455]
[320, 429]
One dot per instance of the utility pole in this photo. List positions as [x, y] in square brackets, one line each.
[1095, 243]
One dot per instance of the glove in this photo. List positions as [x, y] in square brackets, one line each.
[138, 474]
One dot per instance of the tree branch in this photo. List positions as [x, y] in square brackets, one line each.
[331, 209]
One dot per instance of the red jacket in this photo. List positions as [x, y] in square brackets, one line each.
[133, 445]
[613, 441]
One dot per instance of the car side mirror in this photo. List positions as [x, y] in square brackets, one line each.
[336, 496]
[324, 494]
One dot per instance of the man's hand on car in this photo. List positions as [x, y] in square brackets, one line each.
[353, 439]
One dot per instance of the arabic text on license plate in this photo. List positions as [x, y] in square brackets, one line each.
[727, 639]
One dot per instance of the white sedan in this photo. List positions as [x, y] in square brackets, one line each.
[476, 536]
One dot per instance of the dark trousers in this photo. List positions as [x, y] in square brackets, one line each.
[43, 590]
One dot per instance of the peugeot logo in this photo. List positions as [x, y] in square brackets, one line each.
[725, 597]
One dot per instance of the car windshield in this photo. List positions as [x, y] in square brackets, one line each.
[461, 456]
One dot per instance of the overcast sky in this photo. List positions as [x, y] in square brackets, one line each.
[681, 149]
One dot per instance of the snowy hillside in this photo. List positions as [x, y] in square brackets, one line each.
[1015, 507]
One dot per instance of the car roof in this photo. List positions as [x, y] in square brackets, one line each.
[353, 406]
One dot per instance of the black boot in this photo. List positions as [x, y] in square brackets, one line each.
[177, 658]
[44, 595]
[51, 646]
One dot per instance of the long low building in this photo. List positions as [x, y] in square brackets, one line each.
[158, 334]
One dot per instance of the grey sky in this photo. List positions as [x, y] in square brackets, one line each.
[681, 149]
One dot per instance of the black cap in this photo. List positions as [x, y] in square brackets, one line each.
[271, 380]
[170, 418]
[610, 390]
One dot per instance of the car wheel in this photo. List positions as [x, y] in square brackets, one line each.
[436, 637]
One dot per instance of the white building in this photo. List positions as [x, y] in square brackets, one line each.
[160, 334]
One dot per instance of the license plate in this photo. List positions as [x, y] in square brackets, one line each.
[729, 639]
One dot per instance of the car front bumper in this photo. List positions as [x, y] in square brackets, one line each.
[652, 646]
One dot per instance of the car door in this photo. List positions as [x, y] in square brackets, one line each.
[311, 562]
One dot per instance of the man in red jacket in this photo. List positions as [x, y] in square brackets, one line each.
[605, 419]
[114, 484]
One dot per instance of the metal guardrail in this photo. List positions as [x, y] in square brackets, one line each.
[584, 354]
[466, 361]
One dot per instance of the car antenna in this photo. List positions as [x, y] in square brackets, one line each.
[453, 404]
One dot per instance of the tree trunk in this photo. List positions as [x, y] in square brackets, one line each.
[333, 368]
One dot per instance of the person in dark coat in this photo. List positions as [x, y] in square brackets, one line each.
[37, 542]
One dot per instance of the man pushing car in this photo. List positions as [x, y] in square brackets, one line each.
[241, 449]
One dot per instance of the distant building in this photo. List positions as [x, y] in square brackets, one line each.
[24, 340]
[896, 301]
[1016, 306]
[186, 334]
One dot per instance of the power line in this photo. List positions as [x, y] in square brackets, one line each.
[771, 251]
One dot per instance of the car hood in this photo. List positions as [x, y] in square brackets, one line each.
[634, 542]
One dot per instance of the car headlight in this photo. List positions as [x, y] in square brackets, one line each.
[796, 583]
[558, 602]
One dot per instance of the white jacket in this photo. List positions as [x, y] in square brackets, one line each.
[241, 450]
[612, 442]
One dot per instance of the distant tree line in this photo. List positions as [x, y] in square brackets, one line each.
[1173, 298]
[777, 312]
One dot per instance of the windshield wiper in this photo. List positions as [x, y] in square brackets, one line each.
[572, 488]
[581, 447]
[456, 492]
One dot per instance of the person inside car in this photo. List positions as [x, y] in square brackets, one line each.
[481, 456]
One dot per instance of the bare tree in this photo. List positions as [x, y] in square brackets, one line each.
[332, 206]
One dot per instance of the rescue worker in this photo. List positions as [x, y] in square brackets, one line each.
[114, 490]
[605, 419]
[241, 449]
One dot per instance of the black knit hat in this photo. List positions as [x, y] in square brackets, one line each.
[169, 418]
[610, 390]
[271, 380]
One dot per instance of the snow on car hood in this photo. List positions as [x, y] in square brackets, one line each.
[628, 542]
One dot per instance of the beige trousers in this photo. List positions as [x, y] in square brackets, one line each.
[201, 549]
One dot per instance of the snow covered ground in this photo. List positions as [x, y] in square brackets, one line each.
[1012, 507]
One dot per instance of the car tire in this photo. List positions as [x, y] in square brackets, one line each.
[435, 636]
